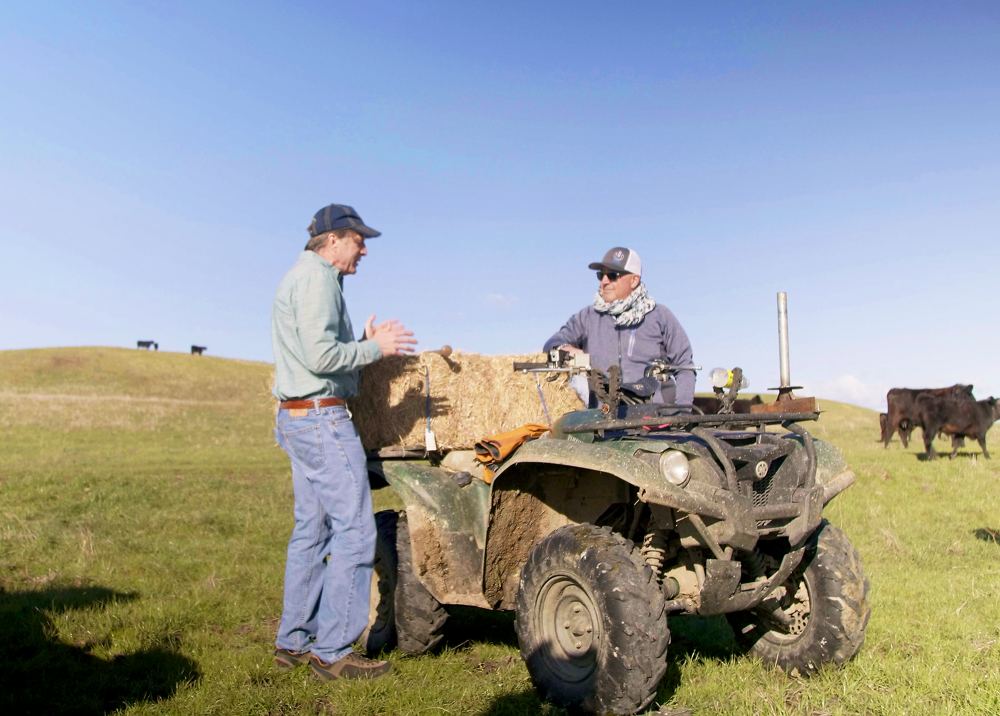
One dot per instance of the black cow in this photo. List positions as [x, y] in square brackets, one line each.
[958, 417]
[905, 426]
[148, 345]
[197, 350]
[901, 414]
[710, 405]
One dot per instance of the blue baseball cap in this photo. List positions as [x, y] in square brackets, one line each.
[339, 216]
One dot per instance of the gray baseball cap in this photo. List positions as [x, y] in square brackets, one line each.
[620, 260]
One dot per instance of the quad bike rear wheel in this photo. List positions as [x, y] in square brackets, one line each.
[420, 618]
[824, 609]
[380, 634]
[591, 622]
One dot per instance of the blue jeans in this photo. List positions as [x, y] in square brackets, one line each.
[332, 548]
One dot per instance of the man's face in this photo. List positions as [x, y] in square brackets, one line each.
[345, 253]
[615, 286]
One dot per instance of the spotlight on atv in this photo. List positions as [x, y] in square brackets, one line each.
[723, 378]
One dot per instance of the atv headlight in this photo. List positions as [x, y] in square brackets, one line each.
[674, 466]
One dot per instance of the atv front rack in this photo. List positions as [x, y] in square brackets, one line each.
[584, 421]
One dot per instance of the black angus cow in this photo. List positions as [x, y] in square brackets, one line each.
[148, 345]
[901, 413]
[958, 417]
[710, 405]
[905, 428]
[197, 350]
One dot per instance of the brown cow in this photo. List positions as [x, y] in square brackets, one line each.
[901, 414]
[958, 417]
[710, 405]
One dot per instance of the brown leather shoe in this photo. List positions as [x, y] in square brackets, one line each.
[352, 666]
[288, 659]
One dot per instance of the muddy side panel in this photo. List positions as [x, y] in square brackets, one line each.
[830, 463]
[549, 484]
[447, 522]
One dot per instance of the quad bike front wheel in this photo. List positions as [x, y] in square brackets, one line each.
[823, 609]
[590, 621]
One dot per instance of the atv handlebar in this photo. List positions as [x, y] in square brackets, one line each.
[533, 367]
[559, 361]
[562, 361]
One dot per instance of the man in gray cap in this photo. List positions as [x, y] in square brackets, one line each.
[626, 327]
[317, 359]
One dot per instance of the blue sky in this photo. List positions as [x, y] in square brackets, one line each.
[160, 162]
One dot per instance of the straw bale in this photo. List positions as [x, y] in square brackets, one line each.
[471, 396]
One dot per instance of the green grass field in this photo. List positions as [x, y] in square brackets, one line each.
[145, 509]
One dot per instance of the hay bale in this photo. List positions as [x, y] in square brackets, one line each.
[471, 396]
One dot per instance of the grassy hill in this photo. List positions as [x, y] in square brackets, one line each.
[144, 512]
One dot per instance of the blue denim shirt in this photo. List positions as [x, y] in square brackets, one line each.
[315, 352]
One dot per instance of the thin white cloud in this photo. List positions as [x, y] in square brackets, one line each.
[848, 388]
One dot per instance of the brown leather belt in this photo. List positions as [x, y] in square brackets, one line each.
[311, 403]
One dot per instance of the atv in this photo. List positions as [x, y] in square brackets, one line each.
[624, 514]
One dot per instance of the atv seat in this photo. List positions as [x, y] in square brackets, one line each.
[643, 388]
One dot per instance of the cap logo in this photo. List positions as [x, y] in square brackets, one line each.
[619, 255]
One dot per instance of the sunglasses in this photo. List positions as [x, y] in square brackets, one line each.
[612, 275]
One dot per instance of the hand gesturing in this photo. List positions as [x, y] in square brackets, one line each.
[392, 337]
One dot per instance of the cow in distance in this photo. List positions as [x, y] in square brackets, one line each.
[710, 405]
[901, 414]
[958, 417]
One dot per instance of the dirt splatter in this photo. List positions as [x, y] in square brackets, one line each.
[520, 519]
[433, 560]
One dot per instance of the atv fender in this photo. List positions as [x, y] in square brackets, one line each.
[446, 513]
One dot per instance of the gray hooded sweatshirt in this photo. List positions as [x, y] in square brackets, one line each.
[632, 348]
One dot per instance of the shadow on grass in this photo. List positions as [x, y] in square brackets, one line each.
[699, 639]
[526, 702]
[467, 625]
[987, 534]
[960, 455]
[692, 637]
[43, 675]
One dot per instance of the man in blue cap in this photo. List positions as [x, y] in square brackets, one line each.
[625, 327]
[317, 360]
